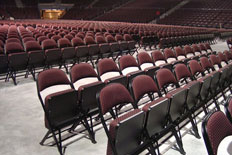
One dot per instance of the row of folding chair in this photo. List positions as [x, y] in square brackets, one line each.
[185, 40]
[204, 88]
[153, 40]
[192, 96]
[62, 53]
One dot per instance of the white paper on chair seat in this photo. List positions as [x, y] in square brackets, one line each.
[84, 81]
[170, 60]
[197, 53]
[189, 55]
[216, 67]
[223, 64]
[109, 75]
[181, 57]
[160, 62]
[129, 70]
[204, 52]
[146, 65]
[225, 146]
[53, 89]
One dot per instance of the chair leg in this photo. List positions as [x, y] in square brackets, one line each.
[60, 143]
[178, 141]
[45, 137]
[13, 76]
[59, 147]
[204, 109]
[216, 104]
[66, 68]
[7, 76]
[194, 127]
[27, 73]
[91, 60]
[33, 73]
[90, 131]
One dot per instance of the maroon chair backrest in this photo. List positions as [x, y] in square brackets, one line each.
[56, 37]
[195, 67]
[157, 55]
[182, 71]
[228, 55]
[214, 59]
[110, 39]
[127, 37]
[142, 85]
[208, 46]
[80, 35]
[127, 61]
[168, 53]
[28, 39]
[222, 57]
[68, 36]
[113, 95]
[51, 77]
[42, 38]
[119, 37]
[188, 49]
[32, 46]
[13, 47]
[100, 39]
[165, 76]
[89, 40]
[77, 42]
[82, 70]
[143, 57]
[64, 42]
[205, 63]
[13, 40]
[106, 65]
[196, 48]
[49, 44]
[202, 47]
[179, 51]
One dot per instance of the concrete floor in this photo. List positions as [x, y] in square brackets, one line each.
[22, 125]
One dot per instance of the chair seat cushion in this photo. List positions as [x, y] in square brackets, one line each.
[84, 81]
[109, 75]
[146, 65]
[160, 62]
[53, 89]
[129, 70]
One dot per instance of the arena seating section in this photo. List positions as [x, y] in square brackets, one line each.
[151, 69]
[139, 12]
[202, 13]
[59, 43]
[205, 13]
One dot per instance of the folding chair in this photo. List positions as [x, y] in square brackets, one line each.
[60, 104]
[126, 132]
